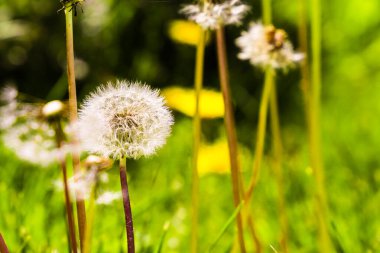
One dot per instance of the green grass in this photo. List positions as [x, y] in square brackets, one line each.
[33, 219]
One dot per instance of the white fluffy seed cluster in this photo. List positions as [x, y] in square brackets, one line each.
[210, 15]
[124, 120]
[23, 130]
[266, 46]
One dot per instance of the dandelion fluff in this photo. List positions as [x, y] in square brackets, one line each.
[211, 15]
[266, 46]
[124, 120]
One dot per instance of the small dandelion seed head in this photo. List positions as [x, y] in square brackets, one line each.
[211, 15]
[124, 120]
[266, 46]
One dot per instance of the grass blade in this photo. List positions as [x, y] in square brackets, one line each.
[226, 225]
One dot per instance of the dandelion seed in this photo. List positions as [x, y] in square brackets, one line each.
[266, 46]
[210, 15]
[124, 120]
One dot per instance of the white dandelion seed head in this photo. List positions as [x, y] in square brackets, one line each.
[266, 46]
[124, 120]
[32, 141]
[108, 197]
[211, 15]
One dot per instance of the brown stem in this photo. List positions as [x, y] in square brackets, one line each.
[59, 137]
[229, 122]
[69, 211]
[127, 206]
[3, 246]
[74, 114]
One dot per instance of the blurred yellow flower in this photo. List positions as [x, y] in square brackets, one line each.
[185, 32]
[214, 158]
[183, 100]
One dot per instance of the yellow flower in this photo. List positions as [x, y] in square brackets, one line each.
[183, 100]
[215, 158]
[185, 32]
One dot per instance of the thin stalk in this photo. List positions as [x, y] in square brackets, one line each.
[70, 64]
[259, 149]
[73, 112]
[261, 131]
[90, 221]
[225, 227]
[267, 11]
[198, 82]
[59, 138]
[127, 206]
[277, 147]
[315, 141]
[277, 143]
[229, 122]
[69, 211]
[304, 66]
[3, 245]
[251, 227]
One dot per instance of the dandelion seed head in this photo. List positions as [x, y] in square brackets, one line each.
[211, 15]
[266, 46]
[31, 142]
[126, 119]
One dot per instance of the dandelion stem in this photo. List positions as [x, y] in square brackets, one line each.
[59, 138]
[261, 130]
[69, 211]
[304, 65]
[3, 246]
[90, 221]
[251, 228]
[198, 81]
[277, 144]
[127, 206]
[230, 128]
[73, 111]
[315, 144]
[70, 64]
[277, 166]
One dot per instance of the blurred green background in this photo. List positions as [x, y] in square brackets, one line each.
[129, 39]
